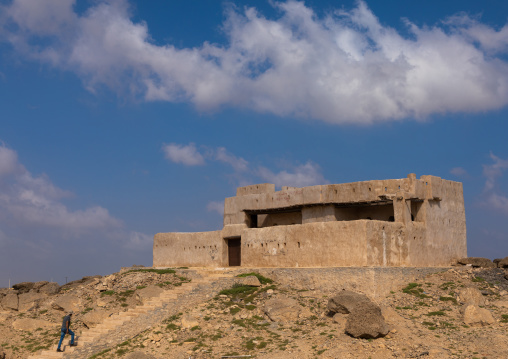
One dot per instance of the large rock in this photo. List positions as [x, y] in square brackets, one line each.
[29, 325]
[10, 301]
[145, 294]
[49, 288]
[345, 301]
[23, 287]
[503, 263]
[366, 321]
[470, 295]
[476, 316]
[283, 310]
[97, 316]
[67, 303]
[39, 285]
[27, 301]
[477, 262]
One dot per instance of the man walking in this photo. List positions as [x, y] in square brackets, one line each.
[66, 330]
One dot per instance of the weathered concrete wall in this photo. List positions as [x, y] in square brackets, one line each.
[445, 220]
[399, 222]
[327, 244]
[200, 249]
[279, 219]
[324, 213]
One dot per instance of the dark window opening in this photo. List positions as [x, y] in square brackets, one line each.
[253, 221]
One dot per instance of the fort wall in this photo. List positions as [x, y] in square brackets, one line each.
[399, 222]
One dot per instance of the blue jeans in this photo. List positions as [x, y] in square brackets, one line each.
[63, 335]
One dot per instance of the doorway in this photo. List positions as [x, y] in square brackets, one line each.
[234, 252]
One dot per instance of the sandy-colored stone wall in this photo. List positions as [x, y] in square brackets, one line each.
[199, 249]
[399, 222]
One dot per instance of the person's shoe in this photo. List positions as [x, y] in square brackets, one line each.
[59, 350]
[73, 345]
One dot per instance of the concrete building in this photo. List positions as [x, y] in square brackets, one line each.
[397, 222]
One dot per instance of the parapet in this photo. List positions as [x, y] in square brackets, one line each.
[256, 189]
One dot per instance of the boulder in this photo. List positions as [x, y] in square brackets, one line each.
[29, 325]
[139, 355]
[38, 285]
[27, 301]
[476, 316]
[503, 263]
[10, 301]
[470, 295]
[145, 294]
[340, 319]
[282, 309]
[477, 262]
[366, 321]
[49, 288]
[23, 287]
[97, 316]
[345, 301]
[67, 303]
[251, 281]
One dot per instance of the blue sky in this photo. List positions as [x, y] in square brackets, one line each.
[120, 119]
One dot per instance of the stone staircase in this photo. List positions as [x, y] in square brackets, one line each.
[115, 321]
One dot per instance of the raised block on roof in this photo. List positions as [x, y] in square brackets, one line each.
[398, 222]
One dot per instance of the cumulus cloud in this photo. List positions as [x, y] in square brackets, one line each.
[185, 154]
[494, 198]
[33, 204]
[308, 174]
[345, 67]
[34, 201]
[493, 171]
[238, 163]
[8, 161]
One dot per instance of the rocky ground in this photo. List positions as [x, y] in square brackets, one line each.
[457, 313]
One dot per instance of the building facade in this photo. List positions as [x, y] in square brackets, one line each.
[397, 222]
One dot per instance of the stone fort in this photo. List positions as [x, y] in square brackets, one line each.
[405, 222]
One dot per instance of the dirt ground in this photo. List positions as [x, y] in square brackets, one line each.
[424, 317]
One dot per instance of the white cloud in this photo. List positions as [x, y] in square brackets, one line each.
[494, 198]
[185, 154]
[343, 68]
[458, 171]
[308, 174]
[34, 201]
[238, 163]
[216, 206]
[493, 171]
[498, 202]
[298, 175]
[8, 161]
